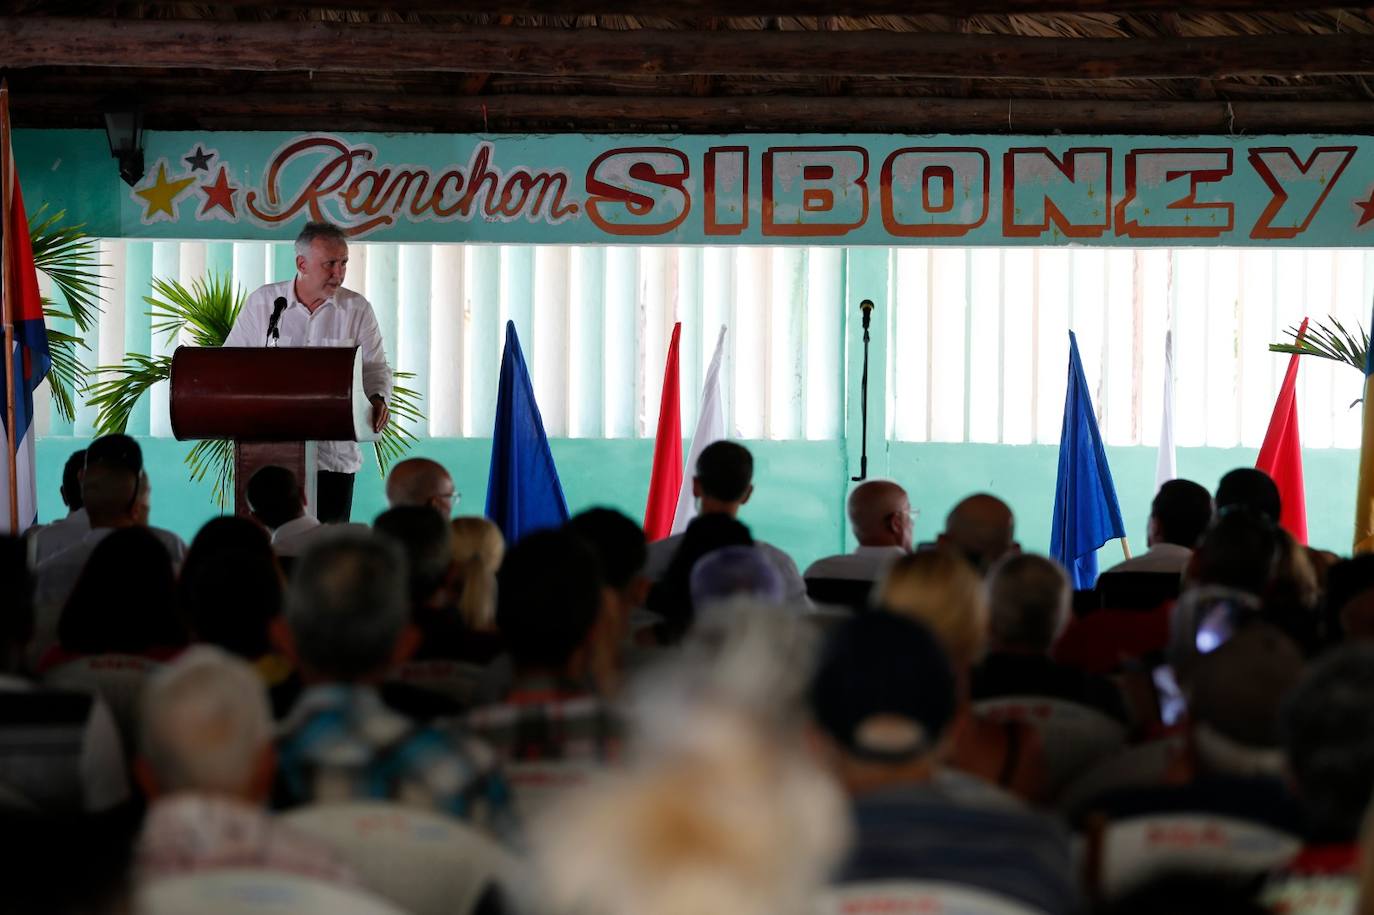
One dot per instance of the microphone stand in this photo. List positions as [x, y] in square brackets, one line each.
[866, 306]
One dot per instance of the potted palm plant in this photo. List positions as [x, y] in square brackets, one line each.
[68, 257]
[202, 315]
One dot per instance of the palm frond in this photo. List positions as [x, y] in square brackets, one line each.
[397, 438]
[70, 258]
[214, 456]
[208, 308]
[67, 377]
[120, 387]
[1328, 339]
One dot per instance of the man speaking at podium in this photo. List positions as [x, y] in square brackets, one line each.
[314, 309]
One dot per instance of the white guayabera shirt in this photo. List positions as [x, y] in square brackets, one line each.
[345, 319]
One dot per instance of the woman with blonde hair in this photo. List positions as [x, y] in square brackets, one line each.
[941, 589]
[478, 549]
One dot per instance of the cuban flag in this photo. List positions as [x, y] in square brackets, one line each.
[31, 361]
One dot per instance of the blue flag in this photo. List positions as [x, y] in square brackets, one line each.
[1086, 513]
[523, 492]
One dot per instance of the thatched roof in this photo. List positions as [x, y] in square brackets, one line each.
[1008, 65]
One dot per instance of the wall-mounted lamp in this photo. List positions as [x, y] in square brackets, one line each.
[124, 130]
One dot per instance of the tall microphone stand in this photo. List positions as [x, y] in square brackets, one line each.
[866, 306]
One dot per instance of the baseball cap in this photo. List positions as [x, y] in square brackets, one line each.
[883, 688]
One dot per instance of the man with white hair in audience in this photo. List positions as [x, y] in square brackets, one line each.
[206, 763]
[1029, 604]
[346, 624]
[420, 481]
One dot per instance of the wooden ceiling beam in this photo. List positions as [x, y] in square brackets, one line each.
[508, 113]
[706, 8]
[340, 47]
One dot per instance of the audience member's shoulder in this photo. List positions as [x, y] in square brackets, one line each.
[661, 556]
[172, 541]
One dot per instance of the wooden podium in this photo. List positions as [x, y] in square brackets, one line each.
[273, 402]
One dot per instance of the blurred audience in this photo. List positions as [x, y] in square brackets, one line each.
[206, 764]
[939, 588]
[346, 623]
[554, 622]
[60, 751]
[478, 549]
[885, 699]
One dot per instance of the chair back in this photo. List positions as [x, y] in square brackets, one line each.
[1136, 590]
[1075, 736]
[254, 892]
[460, 681]
[850, 593]
[1126, 853]
[116, 678]
[536, 784]
[423, 862]
[917, 897]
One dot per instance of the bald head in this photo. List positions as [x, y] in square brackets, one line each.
[879, 514]
[982, 528]
[420, 482]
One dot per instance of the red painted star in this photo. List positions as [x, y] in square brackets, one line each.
[220, 194]
[1368, 207]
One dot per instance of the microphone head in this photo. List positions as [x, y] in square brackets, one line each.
[866, 305]
[280, 303]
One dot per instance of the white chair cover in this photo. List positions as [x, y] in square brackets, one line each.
[1134, 850]
[917, 897]
[254, 892]
[536, 784]
[1075, 736]
[116, 678]
[426, 863]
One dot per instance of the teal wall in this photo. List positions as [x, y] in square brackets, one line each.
[800, 489]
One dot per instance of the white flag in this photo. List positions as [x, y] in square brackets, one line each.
[1166, 467]
[710, 428]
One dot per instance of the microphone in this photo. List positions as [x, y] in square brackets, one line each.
[866, 306]
[277, 308]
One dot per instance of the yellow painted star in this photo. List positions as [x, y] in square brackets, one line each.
[163, 193]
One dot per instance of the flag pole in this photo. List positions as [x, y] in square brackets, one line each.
[1126, 547]
[7, 287]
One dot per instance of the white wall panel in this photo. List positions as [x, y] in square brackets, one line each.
[978, 338]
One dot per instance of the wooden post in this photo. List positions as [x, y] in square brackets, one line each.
[1126, 547]
[7, 305]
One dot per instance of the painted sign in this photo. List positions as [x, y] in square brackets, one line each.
[775, 190]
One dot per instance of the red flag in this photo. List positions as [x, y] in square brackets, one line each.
[1281, 454]
[666, 479]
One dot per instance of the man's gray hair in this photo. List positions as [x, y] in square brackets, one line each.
[314, 230]
[205, 723]
[1029, 599]
[347, 604]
